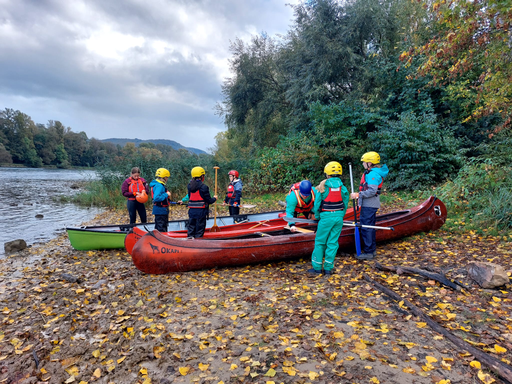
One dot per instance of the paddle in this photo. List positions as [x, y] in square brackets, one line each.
[215, 228]
[356, 229]
[248, 206]
[298, 229]
[347, 223]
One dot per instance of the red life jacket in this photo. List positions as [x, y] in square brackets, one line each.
[196, 201]
[231, 191]
[135, 186]
[302, 206]
[363, 186]
[333, 201]
[164, 203]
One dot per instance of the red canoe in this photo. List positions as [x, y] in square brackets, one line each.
[269, 222]
[157, 253]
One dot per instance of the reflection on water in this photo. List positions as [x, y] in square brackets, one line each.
[27, 192]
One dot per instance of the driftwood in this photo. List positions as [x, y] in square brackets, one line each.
[416, 271]
[499, 368]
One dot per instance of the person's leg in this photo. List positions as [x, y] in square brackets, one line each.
[322, 234]
[200, 227]
[368, 216]
[234, 211]
[132, 210]
[332, 243]
[191, 230]
[141, 209]
[161, 223]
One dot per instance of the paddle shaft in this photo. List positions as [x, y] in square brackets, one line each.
[215, 210]
[347, 223]
[356, 229]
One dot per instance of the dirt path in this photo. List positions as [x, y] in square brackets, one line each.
[255, 324]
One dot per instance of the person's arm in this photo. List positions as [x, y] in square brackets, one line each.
[125, 189]
[159, 193]
[146, 186]
[238, 193]
[345, 195]
[291, 204]
[204, 191]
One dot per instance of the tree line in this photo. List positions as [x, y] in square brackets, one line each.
[353, 76]
[35, 145]
[426, 84]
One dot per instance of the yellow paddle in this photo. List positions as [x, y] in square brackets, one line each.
[215, 228]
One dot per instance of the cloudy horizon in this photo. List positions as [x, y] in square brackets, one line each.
[127, 70]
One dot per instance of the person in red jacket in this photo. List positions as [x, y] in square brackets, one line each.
[135, 189]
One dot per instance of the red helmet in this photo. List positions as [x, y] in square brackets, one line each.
[234, 173]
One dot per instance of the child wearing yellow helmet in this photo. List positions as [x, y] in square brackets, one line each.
[161, 199]
[199, 200]
[134, 188]
[369, 200]
[330, 206]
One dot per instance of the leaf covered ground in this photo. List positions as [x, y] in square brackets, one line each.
[255, 324]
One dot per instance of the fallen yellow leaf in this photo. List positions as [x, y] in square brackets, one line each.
[485, 377]
[184, 370]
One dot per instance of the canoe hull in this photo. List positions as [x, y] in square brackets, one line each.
[156, 253]
[273, 221]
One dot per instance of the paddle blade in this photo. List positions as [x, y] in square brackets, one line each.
[358, 241]
[215, 228]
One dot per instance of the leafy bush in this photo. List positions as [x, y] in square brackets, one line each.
[481, 192]
[419, 152]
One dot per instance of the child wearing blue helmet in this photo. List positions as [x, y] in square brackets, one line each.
[300, 200]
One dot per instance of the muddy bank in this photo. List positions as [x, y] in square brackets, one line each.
[256, 324]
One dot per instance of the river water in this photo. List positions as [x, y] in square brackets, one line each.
[27, 192]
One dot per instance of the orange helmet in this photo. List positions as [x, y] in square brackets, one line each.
[142, 197]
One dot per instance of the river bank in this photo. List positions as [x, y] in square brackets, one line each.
[261, 323]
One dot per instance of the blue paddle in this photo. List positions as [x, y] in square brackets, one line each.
[356, 229]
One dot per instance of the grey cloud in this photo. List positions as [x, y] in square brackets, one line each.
[47, 72]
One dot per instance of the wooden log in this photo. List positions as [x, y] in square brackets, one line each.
[499, 368]
[416, 271]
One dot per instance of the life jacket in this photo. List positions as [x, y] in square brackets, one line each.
[333, 201]
[135, 186]
[196, 201]
[363, 186]
[164, 203]
[302, 206]
[231, 191]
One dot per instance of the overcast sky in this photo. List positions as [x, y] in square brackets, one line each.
[148, 69]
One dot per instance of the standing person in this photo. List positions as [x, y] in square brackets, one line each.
[234, 194]
[369, 200]
[300, 199]
[330, 207]
[199, 200]
[161, 197]
[136, 190]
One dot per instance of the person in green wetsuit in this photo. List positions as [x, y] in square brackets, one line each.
[330, 207]
[300, 200]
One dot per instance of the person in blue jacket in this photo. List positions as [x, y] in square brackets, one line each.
[234, 193]
[161, 197]
[330, 207]
[300, 200]
[369, 200]
[199, 201]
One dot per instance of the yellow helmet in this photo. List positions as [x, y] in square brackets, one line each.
[162, 172]
[333, 168]
[371, 157]
[197, 172]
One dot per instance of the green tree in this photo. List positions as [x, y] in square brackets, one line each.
[418, 151]
[469, 53]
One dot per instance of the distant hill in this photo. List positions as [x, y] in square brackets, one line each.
[171, 143]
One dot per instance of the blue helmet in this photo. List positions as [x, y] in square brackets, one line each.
[305, 187]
